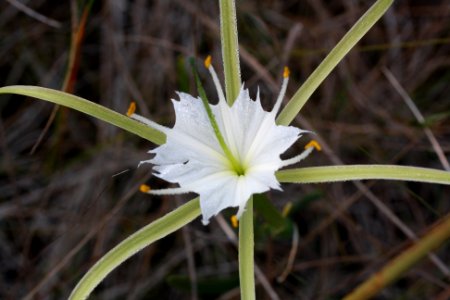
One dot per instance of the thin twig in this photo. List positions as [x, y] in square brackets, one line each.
[419, 117]
[190, 259]
[404, 261]
[34, 14]
[374, 199]
[67, 258]
[292, 255]
[72, 68]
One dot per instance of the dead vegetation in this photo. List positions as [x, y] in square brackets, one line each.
[65, 205]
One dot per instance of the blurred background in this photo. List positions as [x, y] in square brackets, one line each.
[68, 182]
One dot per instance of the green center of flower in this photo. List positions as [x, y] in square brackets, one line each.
[236, 166]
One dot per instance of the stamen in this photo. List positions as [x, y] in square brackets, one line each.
[131, 108]
[215, 79]
[234, 221]
[208, 61]
[286, 72]
[280, 98]
[287, 209]
[149, 123]
[170, 191]
[313, 144]
[144, 188]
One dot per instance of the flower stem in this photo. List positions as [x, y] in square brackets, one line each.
[230, 49]
[230, 55]
[391, 272]
[246, 249]
[134, 243]
[334, 57]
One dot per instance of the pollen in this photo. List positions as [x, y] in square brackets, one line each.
[208, 61]
[286, 72]
[144, 188]
[131, 108]
[234, 221]
[315, 144]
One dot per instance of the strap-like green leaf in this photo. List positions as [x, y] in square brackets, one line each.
[334, 57]
[134, 243]
[363, 172]
[230, 49]
[87, 107]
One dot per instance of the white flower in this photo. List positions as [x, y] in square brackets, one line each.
[193, 158]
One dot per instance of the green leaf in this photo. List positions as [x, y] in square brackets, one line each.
[363, 172]
[334, 57]
[134, 243]
[87, 107]
[277, 223]
[230, 49]
[305, 201]
[182, 75]
[435, 118]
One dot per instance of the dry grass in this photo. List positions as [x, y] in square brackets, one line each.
[63, 207]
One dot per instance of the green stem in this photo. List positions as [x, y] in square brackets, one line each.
[362, 172]
[134, 243]
[334, 57]
[392, 271]
[246, 249]
[230, 49]
[89, 108]
[230, 54]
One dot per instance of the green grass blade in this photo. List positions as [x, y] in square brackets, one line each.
[87, 107]
[134, 243]
[363, 172]
[435, 238]
[230, 49]
[334, 57]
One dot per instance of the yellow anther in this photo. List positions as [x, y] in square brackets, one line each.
[286, 72]
[234, 221]
[208, 61]
[144, 188]
[315, 144]
[131, 108]
[287, 209]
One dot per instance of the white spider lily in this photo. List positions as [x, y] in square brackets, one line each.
[223, 175]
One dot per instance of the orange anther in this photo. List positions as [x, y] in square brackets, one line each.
[208, 61]
[144, 188]
[286, 72]
[315, 144]
[234, 221]
[131, 108]
[287, 209]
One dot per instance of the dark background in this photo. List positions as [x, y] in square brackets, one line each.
[65, 205]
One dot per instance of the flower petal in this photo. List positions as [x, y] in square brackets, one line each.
[193, 158]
